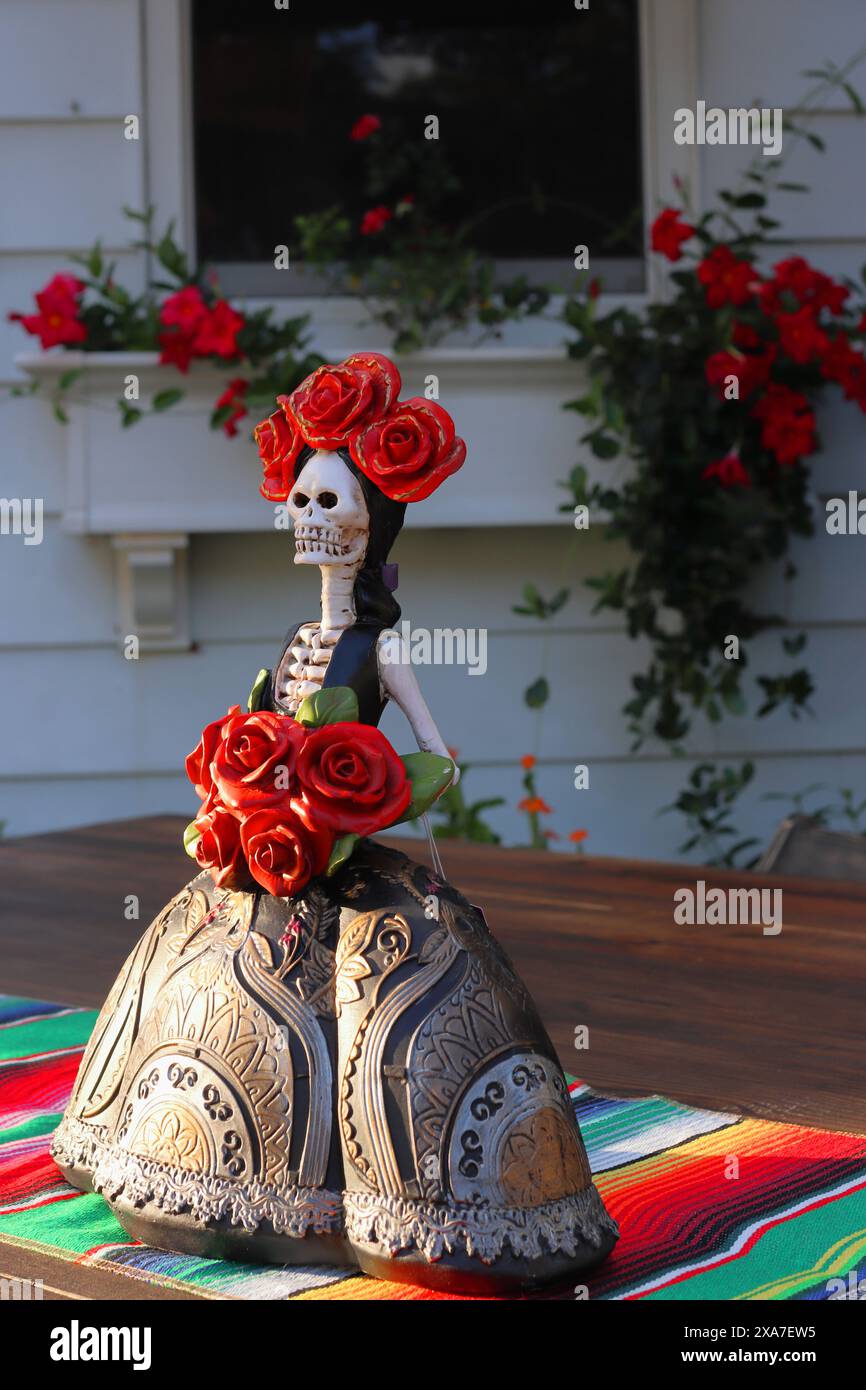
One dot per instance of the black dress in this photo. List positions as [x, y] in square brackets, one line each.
[356, 1075]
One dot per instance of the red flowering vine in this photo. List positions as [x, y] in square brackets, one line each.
[726, 279]
[713, 392]
[729, 471]
[669, 232]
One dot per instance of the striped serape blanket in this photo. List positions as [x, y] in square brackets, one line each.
[710, 1205]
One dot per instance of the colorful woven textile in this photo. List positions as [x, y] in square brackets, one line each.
[710, 1205]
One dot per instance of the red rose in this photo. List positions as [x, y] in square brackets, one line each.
[218, 332]
[219, 848]
[283, 854]
[335, 402]
[409, 452]
[788, 423]
[185, 310]
[364, 127]
[374, 220]
[729, 471]
[198, 762]
[280, 442]
[668, 234]
[800, 336]
[350, 779]
[725, 279]
[254, 762]
[234, 396]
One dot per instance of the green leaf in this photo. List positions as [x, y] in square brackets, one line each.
[163, 400]
[60, 414]
[537, 694]
[429, 774]
[191, 837]
[255, 694]
[603, 446]
[69, 378]
[734, 702]
[335, 705]
[341, 851]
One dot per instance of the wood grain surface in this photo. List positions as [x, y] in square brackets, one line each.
[722, 1016]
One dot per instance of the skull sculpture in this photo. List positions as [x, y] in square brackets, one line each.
[330, 516]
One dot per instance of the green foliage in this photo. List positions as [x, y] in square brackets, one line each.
[254, 699]
[538, 693]
[455, 818]
[338, 704]
[534, 606]
[341, 850]
[272, 353]
[707, 802]
[696, 546]
[848, 813]
[429, 774]
[418, 275]
[191, 837]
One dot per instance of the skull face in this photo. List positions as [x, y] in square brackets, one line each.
[327, 506]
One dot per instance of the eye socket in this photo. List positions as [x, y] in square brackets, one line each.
[328, 500]
[300, 499]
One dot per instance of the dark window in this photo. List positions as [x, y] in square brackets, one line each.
[539, 119]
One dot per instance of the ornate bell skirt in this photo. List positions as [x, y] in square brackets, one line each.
[356, 1075]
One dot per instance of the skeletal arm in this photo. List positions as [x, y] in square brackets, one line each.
[399, 682]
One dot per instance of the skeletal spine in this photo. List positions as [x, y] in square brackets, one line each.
[331, 527]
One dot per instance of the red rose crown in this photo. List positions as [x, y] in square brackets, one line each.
[406, 448]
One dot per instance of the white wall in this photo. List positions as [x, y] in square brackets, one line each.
[88, 736]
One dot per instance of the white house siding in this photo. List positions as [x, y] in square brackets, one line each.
[89, 736]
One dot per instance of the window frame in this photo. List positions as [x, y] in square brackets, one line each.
[668, 73]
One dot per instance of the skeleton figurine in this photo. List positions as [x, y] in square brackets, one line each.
[354, 1075]
[332, 530]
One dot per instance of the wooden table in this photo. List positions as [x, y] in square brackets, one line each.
[721, 1016]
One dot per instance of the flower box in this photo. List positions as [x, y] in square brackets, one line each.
[170, 473]
[152, 485]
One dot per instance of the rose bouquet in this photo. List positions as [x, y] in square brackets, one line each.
[407, 448]
[284, 799]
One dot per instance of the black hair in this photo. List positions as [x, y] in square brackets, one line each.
[373, 600]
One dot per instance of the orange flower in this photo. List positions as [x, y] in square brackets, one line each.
[527, 761]
[578, 836]
[534, 805]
